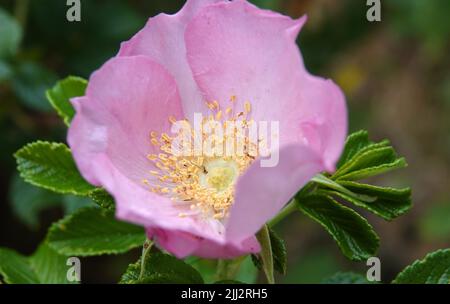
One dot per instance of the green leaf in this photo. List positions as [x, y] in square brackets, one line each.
[206, 267]
[10, 35]
[266, 255]
[362, 158]
[278, 252]
[72, 203]
[353, 233]
[51, 166]
[160, 268]
[102, 198]
[433, 269]
[94, 231]
[45, 266]
[389, 202]
[16, 268]
[59, 96]
[27, 201]
[355, 142]
[370, 163]
[374, 171]
[247, 272]
[49, 266]
[346, 278]
[228, 282]
[329, 183]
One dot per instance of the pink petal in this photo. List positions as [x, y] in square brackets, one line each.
[179, 243]
[182, 244]
[109, 137]
[231, 48]
[262, 192]
[234, 48]
[162, 39]
[125, 100]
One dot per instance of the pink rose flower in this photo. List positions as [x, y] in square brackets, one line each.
[222, 59]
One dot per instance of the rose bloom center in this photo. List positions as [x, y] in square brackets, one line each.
[205, 183]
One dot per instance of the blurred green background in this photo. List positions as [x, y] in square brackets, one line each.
[395, 74]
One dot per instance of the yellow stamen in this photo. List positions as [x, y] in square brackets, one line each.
[172, 119]
[206, 182]
[248, 107]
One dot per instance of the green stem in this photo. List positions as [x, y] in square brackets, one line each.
[291, 207]
[228, 269]
[145, 250]
[324, 181]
